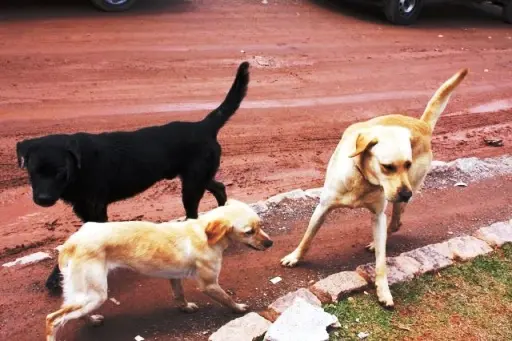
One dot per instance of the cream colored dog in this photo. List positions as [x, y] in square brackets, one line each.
[380, 160]
[173, 250]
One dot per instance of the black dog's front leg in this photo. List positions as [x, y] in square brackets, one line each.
[86, 213]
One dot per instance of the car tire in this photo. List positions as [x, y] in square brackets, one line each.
[113, 5]
[507, 12]
[402, 12]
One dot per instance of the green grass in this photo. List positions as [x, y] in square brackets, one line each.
[469, 301]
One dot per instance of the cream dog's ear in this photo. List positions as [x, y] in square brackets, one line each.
[216, 230]
[363, 143]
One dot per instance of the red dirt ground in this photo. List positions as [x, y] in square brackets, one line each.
[316, 69]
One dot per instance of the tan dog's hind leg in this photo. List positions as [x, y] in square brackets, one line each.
[316, 221]
[208, 283]
[179, 297]
[381, 279]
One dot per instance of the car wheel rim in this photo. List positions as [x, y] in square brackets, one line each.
[116, 2]
[405, 6]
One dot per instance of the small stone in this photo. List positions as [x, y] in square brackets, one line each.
[496, 234]
[113, 300]
[302, 322]
[440, 36]
[461, 184]
[340, 284]
[362, 335]
[139, 338]
[27, 260]
[284, 302]
[245, 328]
[486, 70]
[264, 2]
[276, 280]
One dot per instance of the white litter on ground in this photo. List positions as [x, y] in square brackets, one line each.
[276, 280]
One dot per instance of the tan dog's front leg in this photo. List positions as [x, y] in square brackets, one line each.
[316, 221]
[179, 297]
[381, 279]
[395, 223]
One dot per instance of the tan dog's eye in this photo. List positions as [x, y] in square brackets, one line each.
[389, 168]
[250, 232]
[407, 164]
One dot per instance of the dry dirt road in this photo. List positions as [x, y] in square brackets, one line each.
[317, 68]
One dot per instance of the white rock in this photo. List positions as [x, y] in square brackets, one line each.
[113, 300]
[302, 322]
[461, 184]
[276, 280]
[139, 338]
[245, 328]
[30, 259]
[259, 207]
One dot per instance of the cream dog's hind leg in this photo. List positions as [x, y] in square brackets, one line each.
[179, 297]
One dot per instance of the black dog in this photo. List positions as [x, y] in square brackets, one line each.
[90, 171]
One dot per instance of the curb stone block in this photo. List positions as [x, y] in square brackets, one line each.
[463, 248]
[496, 234]
[340, 284]
[245, 328]
[400, 269]
[429, 259]
[292, 195]
[302, 322]
[259, 207]
[27, 260]
[284, 302]
[314, 193]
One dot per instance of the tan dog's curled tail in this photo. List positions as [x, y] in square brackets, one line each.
[438, 102]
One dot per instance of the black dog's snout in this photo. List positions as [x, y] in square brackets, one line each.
[405, 194]
[44, 199]
[268, 243]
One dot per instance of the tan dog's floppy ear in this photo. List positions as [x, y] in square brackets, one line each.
[363, 143]
[215, 231]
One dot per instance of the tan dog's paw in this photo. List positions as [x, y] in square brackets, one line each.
[96, 320]
[241, 308]
[370, 247]
[385, 298]
[189, 308]
[291, 260]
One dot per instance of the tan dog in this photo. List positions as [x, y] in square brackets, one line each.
[172, 250]
[380, 160]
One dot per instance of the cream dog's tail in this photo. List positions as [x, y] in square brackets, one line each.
[438, 102]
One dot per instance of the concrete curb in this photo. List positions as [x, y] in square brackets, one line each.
[404, 267]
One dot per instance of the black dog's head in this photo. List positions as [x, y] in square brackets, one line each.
[52, 162]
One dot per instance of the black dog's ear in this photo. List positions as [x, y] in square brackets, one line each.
[74, 148]
[22, 150]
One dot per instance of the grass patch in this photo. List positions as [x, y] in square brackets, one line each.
[469, 301]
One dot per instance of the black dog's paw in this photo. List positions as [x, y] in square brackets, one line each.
[54, 286]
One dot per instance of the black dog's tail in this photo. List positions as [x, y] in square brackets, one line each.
[218, 117]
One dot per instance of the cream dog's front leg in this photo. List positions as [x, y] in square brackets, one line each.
[179, 297]
[208, 283]
[379, 238]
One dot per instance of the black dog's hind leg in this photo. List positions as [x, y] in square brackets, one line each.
[86, 212]
[219, 191]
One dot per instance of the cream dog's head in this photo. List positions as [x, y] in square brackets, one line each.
[385, 154]
[236, 221]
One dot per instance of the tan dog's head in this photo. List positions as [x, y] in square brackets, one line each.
[385, 158]
[236, 221]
